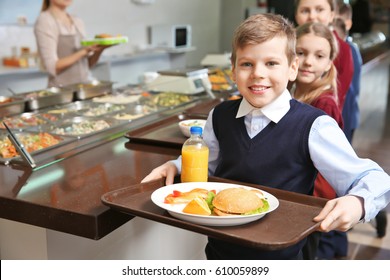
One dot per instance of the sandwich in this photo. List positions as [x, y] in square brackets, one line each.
[239, 201]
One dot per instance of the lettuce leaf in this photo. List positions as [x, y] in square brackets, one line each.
[209, 200]
[259, 210]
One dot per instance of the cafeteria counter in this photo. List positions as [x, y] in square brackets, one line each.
[55, 211]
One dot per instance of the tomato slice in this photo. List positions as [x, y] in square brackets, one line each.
[176, 193]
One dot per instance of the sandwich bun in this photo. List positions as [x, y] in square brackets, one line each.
[236, 201]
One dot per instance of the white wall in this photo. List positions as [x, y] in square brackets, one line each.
[234, 12]
[138, 239]
[132, 20]
[125, 17]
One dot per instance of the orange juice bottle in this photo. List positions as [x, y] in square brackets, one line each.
[194, 158]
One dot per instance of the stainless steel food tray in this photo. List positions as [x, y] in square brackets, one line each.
[47, 97]
[167, 99]
[101, 109]
[119, 98]
[85, 108]
[11, 106]
[134, 112]
[64, 111]
[89, 90]
[73, 109]
[19, 134]
[25, 121]
[81, 127]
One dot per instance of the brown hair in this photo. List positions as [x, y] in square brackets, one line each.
[345, 11]
[340, 27]
[329, 79]
[260, 28]
[45, 5]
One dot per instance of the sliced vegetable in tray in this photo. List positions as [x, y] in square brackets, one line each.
[31, 142]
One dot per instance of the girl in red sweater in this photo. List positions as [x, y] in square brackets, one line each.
[324, 11]
[316, 84]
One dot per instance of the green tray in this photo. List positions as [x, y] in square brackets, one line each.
[105, 41]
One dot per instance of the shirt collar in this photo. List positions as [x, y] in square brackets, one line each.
[274, 111]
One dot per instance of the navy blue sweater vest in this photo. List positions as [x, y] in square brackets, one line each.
[277, 157]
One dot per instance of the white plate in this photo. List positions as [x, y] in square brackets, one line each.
[176, 210]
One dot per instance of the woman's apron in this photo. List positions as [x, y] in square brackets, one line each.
[77, 72]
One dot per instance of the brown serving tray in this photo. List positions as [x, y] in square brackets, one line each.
[164, 133]
[288, 224]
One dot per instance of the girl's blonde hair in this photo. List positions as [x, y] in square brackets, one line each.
[328, 82]
[260, 28]
[45, 5]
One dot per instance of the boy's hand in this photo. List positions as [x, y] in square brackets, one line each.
[340, 213]
[167, 170]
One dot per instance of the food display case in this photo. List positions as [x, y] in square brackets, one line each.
[105, 114]
[87, 115]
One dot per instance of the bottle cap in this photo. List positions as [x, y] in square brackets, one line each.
[196, 130]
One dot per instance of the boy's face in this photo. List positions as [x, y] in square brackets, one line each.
[262, 71]
[314, 11]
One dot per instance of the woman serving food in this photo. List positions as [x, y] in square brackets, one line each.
[59, 36]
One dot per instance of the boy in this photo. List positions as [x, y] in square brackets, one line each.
[351, 115]
[270, 139]
[342, 25]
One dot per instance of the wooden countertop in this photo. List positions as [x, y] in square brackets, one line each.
[65, 196]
